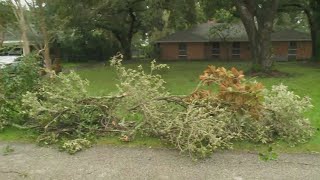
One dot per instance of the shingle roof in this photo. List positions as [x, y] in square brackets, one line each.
[236, 32]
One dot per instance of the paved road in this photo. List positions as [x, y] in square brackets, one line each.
[106, 162]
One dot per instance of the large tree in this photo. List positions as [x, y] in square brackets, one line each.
[127, 18]
[123, 18]
[258, 19]
[312, 10]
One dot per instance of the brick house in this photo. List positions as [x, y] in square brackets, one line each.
[197, 43]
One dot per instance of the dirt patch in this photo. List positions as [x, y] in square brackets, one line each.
[269, 74]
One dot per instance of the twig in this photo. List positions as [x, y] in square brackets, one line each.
[23, 127]
[55, 119]
[103, 97]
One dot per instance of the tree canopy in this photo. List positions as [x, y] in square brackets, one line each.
[100, 28]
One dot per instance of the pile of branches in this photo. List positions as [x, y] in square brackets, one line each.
[61, 109]
[198, 123]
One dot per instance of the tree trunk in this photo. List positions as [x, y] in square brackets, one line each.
[127, 52]
[19, 13]
[44, 32]
[313, 14]
[125, 43]
[258, 23]
[315, 36]
[265, 54]
[316, 47]
[24, 33]
[1, 37]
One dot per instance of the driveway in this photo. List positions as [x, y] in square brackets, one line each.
[29, 161]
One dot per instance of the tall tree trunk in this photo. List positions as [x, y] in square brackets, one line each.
[125, 43]
[258, 22]
[315, 37]
[44, 32]
[2, 35]
[316, 46]
[24, 32]
[314, 26]
[313, 14]
[46, 53]
[127, 50]
[19, 13]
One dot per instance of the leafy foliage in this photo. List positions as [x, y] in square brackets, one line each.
[76, 145]
[240, 94]
[62, 110]
[270, 155]
[16, 80]
[206, 120]
[284, 114]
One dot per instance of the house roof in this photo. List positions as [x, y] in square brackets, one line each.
[234, 32]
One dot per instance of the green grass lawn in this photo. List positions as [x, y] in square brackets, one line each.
[182, 77]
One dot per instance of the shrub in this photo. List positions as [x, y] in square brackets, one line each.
[284, 115]
[16, 80]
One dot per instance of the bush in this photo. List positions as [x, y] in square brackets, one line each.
[16, 80]
[284, 115]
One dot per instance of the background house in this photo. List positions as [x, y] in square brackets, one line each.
[230, 43]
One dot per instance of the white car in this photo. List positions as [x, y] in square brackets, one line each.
[7, 60]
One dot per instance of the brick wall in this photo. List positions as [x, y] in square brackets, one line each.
[245, 51]
[196, 51]
[200, 51]
[304, 50]
[226, 51]
[169, 51]
[280, 50]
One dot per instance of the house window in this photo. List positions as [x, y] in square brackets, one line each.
[292, 50]
[183, 51]
[215, 50]
[236, 50]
